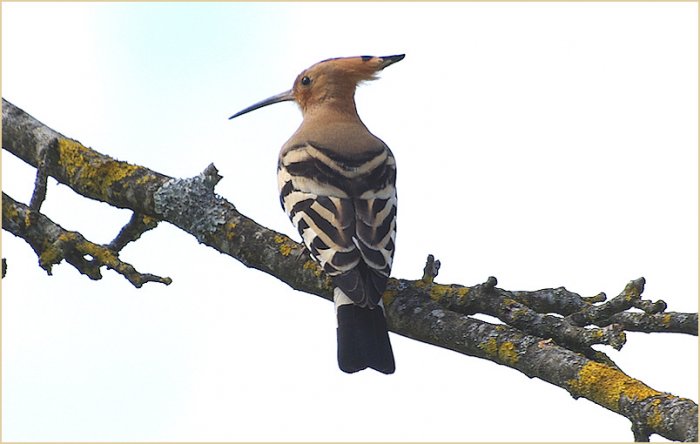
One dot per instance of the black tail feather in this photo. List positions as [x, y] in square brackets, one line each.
[363, 340]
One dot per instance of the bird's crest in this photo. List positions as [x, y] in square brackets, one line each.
[337, 78]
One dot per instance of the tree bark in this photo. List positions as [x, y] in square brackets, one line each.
[556, 349]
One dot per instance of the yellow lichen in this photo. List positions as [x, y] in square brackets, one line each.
[53, 253]
[144, 179]
[71, 156]
[95, 172]
[507, 353]
[230, 234]
[596, 333]
[421, 284]
[462, 292]
[286, 249]
[438, 291]
[605, 385]
[103, 255]
[389, 296]
[490, 347]
[515, 308]
[311, 265]
[9, 211]
[656, 418]
[50, 256]
[666, 320]
[504, 352]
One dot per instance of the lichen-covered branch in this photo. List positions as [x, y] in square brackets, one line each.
[53, 244]
[546, 333]
[40, 182]
[86, 171]
[488, 299]
[132, 231]
[669, 322]
[630, 297]
[186, 203]
[414, 314]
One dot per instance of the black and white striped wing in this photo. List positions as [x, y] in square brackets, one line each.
[375, 234]
[345, 212]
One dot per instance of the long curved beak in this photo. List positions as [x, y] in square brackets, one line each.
[282, 97]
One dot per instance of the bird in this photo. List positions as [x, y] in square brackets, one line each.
[337, 184]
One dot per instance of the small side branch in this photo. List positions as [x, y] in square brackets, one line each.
[47, 157]
[431, 269]
[630, 297]
[668, 322]
[53, 244]
[556, 300]
[132, 231]
[39, 194]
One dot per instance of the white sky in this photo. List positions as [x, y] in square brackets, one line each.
[544, 144]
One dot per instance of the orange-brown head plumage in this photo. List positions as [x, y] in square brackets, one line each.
[331, 82]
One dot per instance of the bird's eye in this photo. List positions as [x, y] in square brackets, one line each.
[305, 81]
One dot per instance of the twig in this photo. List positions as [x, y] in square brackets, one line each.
[668, 322]
[629, 298]
[47, 157]
[132, 231]
[430, 272]
[53, 244]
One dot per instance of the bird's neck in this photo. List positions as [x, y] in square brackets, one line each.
[333, 109]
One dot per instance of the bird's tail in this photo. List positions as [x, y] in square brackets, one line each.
[363, 339]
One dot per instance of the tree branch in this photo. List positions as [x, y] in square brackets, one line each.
[413, 314]
[556, 349]
[132, 231]
[52, 244]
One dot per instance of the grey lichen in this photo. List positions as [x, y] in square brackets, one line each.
[438, 313]
[192, 203]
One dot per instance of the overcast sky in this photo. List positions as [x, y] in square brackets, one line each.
[545, 144]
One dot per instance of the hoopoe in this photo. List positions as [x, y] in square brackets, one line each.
[337, 185]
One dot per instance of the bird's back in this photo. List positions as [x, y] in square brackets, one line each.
[336, 183]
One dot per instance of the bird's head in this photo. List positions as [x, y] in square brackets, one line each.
[331, 80]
